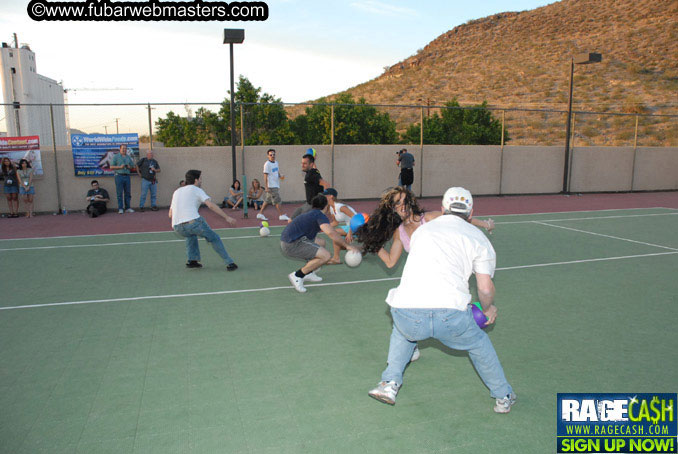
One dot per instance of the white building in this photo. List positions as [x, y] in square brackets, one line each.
[21, 84]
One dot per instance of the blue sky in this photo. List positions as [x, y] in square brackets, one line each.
[306, 49]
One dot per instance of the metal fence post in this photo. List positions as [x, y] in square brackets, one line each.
[150, 127]
[56, 162]
[501, 150]
[571, 152]
[332, 141]
[242, 160]
[421, 152]
[635, 152]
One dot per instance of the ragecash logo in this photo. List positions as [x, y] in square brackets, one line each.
[619, 423]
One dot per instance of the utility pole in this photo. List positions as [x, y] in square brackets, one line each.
[116, 126]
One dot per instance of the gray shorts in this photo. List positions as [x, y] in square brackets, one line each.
[303, 248]
[305, 208]
[272, 197]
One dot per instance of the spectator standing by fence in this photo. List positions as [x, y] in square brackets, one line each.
[11, 186]
[123, 164]
[26, 188]
[148, 169]
[406, 163]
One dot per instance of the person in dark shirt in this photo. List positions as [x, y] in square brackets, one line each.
[148, 169]
[299, 240]
[97, 198]
[406, 163]
[313, 183]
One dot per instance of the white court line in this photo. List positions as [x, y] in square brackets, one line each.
[118, 244]
[607, 236]
[274, 226]
[588, 218]
[257, 236]
[327, 284]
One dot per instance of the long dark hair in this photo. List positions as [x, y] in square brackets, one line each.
[7, 169]
[384, 220]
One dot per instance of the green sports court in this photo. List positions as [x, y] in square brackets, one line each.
[110, 345]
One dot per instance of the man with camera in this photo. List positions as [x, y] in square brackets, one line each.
[122, 164]
[406, 163]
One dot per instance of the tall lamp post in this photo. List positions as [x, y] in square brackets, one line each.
[233, 36]
[580, 59]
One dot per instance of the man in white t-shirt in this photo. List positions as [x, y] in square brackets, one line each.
[433, 299]
[187, 222]
[272, 179]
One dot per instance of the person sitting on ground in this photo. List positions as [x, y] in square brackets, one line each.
[234, 198]
[255, 195]
[97, 198]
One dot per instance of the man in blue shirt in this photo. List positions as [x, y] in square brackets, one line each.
[122, 163]
[299, 240]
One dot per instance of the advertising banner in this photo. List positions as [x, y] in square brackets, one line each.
[17, 148]
[93, 153]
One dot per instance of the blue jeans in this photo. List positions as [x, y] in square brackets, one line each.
[122, 184]
[200, 228]
[454, 328]
[145, 187]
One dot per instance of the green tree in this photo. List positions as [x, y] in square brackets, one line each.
[456, 126]
[265, 123]
[353, 123]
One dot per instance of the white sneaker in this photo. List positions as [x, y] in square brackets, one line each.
[284, 217]
[385, 392]
[129, 210]
[504, 405]
[415, 354]
[312, 277]
[121, 211]
[262, 217]
[297, 282]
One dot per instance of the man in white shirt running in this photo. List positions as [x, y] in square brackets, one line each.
[433, 299]
[272, 179]
[187, 222]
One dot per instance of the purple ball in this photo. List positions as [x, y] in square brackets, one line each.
[478, 315]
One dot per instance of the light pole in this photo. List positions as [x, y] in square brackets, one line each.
[233, 36]
[579, 59]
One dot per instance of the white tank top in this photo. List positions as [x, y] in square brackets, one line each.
[339, 215]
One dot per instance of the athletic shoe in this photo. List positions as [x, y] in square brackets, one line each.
[121, 211]
[154, 208]
[284, 217]
[262, 217]
[415, 354]
[385, 392]
[231, 267]
[297, 282]
[129, 210]
[193, 264]
[504, 405]
[141, 209]
[312, 277]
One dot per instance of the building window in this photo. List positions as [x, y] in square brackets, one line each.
[11, 55]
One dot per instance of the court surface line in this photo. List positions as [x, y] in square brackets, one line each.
[274, 226]
[117, 244]
[276, 235]
[606, 236]
[327, 284]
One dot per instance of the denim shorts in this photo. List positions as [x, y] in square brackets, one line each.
[11, 189]
[24, 191]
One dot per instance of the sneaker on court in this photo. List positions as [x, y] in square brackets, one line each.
[415, 354]
[121, 211]
[262, 217]
[129, 210]
[312, 277]
[385, 392]
[231, 267]
[193, 264]
[154, 208]
[297, 282]
[504, 405]
[283, 217]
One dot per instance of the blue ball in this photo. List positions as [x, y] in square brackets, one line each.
[311, 151]
[357, 221]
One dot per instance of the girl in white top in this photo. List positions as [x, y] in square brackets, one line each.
[341, 215]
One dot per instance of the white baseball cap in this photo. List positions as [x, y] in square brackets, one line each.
[458, 200]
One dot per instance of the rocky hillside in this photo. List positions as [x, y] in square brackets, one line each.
[522, 60]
